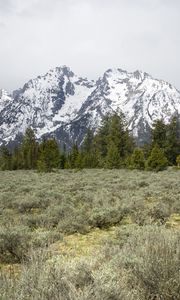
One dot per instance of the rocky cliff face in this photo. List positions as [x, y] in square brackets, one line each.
[64, 105]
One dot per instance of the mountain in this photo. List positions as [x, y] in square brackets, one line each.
[45, 103]
[63, 105]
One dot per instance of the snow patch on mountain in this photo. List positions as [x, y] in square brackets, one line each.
[5, 99]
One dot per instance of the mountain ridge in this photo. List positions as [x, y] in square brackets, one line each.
[64, 105]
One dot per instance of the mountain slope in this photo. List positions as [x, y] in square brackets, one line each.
[64, 105]
[44, 103]
[141, 98]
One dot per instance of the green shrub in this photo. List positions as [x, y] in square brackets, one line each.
[14, 244]
[27, 204]
[104, 218]
[143, 263]
[152, 257]
[43, 239]
[145, 266]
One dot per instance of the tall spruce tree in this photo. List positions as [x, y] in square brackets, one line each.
[113, 137]
[172, 148]
[17, 159]
[157, 160]
[101, 140]
[137, 160]
[49, 156]
[113, 159]
[5, 159]
[29, 150]
[159, 134]
[63, 157]
[74, 158]
[119, 137]
[88, 151]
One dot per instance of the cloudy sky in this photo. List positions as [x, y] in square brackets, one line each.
[90, 36]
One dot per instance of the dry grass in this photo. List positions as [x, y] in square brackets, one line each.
[90, 235]
[79, 245]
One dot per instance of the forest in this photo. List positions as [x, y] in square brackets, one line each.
[112, 146]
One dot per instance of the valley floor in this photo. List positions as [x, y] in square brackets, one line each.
[90, 234]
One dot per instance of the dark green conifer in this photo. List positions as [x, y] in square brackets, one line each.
[49, 156]
[29, 150]
[88, 151]
[5, 159]
[137, 160]
[159, 133]
[113, 159]
[157, 160]
[172, 148]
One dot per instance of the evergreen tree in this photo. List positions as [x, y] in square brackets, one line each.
[113, 157]
[88, 151]
[74, 158]
[87, 146]
[146, 150]
[157, 160]
[49, 156]
[5, 159]
[159, 133]
[63, 158]
[119, 135]
[137, 160]
[113, 134]
[17, 159]
[101, 140]
[29, 150]
[172, 149]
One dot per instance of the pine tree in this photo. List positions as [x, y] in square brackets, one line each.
[101, 140]
[137, 160]
[113, 134]
[88, 141]
[88, 151]
[113, 157]
[74, 158]
[5, 159]
[157, 160]
[17, 159]
[172, 149]
[119, 135]
[49, 156]
[159, 133]
[63, 158]
[29, 150]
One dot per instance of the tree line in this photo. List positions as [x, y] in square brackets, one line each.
[112, 146]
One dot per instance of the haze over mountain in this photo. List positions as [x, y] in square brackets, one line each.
[63, 105]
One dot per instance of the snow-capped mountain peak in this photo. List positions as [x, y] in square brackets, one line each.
[64, 105]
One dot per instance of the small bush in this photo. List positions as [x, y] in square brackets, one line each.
[104, 218]
[152, 259]
[14, 244]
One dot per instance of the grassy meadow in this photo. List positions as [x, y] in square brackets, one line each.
[90, 234]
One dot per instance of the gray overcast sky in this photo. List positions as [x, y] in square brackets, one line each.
[90, 36]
